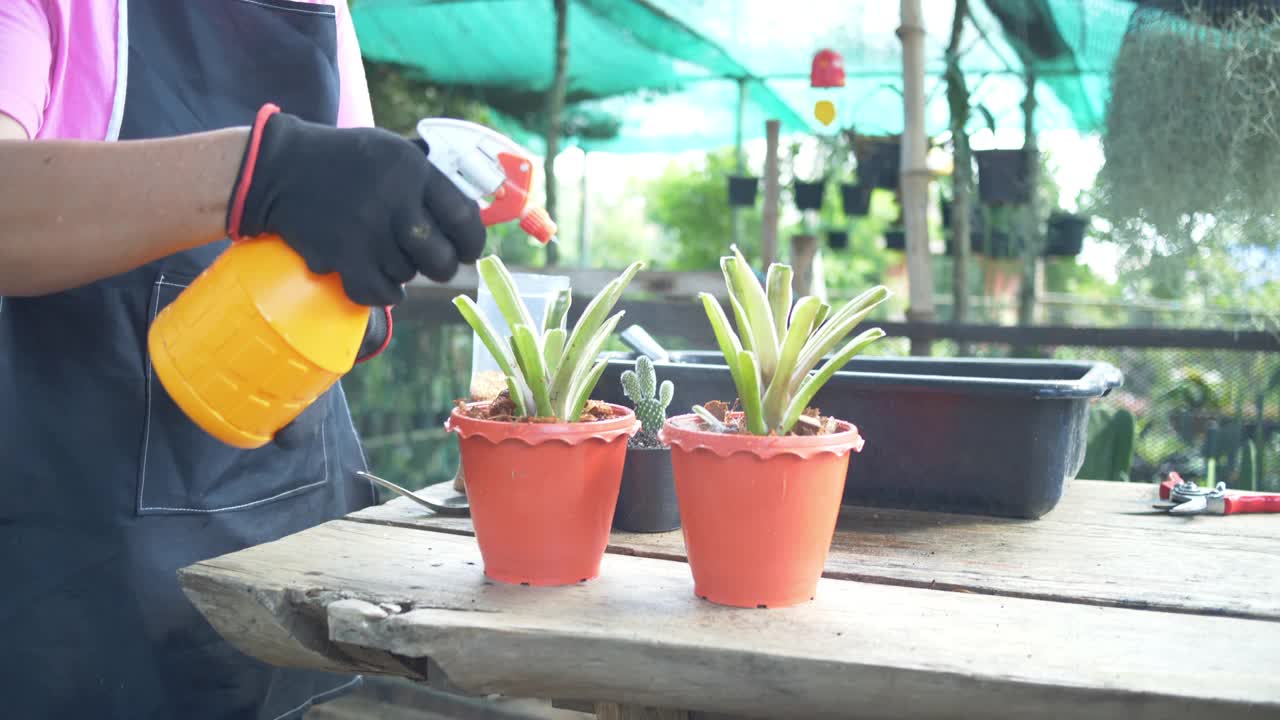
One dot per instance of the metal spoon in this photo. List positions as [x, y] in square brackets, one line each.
[443, 498]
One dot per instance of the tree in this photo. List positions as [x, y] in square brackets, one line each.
[691, 204]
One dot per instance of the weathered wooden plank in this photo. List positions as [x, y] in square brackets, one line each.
[1101, 545]
[637, 635]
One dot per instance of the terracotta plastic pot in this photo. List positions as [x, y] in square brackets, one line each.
[758, 513]
[542, 496]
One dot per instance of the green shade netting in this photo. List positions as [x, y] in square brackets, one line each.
[669, 70]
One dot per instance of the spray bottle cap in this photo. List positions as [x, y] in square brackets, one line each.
[539, 225]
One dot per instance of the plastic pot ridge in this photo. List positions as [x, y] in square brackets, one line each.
[542, 496]
[757, 513]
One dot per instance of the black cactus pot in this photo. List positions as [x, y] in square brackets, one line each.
[647, 497]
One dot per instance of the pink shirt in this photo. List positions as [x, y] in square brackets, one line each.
[60, 67]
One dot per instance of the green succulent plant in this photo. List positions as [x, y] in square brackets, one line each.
[550, 371]
[773, 354]
[640, 385]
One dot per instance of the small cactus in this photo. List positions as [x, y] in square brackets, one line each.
[639, 385]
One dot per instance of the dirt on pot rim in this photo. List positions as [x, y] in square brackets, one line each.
[502, 409]
[812, 422]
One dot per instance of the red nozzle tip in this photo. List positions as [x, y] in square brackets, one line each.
[539, 225]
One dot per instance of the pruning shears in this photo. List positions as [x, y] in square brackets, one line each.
[1183, 497]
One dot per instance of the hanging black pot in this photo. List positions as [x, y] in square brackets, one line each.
[647, 496]
[1065, 235]
[855, 198]
[837, 239]
[809, 195]
[742, 190]
[895, 240]
[946, 213]
[1000, 245]
[1003, 176]
[881, 165]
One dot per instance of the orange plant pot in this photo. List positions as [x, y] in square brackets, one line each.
[758, 512]
[542, 496]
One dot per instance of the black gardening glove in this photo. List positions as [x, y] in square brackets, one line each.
[304, 427]
[361, 202]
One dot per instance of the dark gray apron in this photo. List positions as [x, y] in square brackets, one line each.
[108, 488]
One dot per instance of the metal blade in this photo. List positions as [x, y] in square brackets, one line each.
[447, 503]
[1194, 506]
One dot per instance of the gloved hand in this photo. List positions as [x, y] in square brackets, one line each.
[304, 427]
[362, 202]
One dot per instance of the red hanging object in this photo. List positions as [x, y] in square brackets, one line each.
[827, 70]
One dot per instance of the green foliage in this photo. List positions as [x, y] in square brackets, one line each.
[1192, 136]
[640, 385]
[400, 99]
[1109, 454]
[772, 362]
[550, 371]
[691, 204]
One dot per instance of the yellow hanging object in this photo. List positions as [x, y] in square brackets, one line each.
[824, 111]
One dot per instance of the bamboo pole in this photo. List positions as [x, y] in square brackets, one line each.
[555, 107]
[1033, 244]
[962, 176]
[772, 184]
[915, 173]
[735, 213]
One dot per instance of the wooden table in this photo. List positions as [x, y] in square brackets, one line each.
[1102, 608]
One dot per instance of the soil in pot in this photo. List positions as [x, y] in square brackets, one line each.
[542, 492]
[759, 512]
[742, 190]
[855, 199]
[809, 195]
[647, 499]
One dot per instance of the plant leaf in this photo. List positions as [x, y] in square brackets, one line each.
[821, 315]
[558, 314]
[503, 289]
[584, 360]
[592, 317]
[749, 393]
[814, 383]
[553, 349]
[834, 330]
[745, 332]
[711, 420]
[496, 347]
[778, 288]
[744, 286]
[525, 345]
[725, 337]
[778, 393]
[583, 391]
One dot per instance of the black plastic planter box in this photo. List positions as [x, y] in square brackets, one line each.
[742, 190]
[975, 436]
[809, 195]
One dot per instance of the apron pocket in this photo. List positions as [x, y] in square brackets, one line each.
[184, 470]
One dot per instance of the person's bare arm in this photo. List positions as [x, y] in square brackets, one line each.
[75, 212]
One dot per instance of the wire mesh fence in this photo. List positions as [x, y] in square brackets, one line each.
[1206, 413]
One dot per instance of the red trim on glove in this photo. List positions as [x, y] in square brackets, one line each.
[385, 341]
[246, 173]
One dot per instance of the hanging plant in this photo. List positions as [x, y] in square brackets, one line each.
[1192, 136]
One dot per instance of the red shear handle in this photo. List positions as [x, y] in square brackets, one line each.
[1268, 503]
